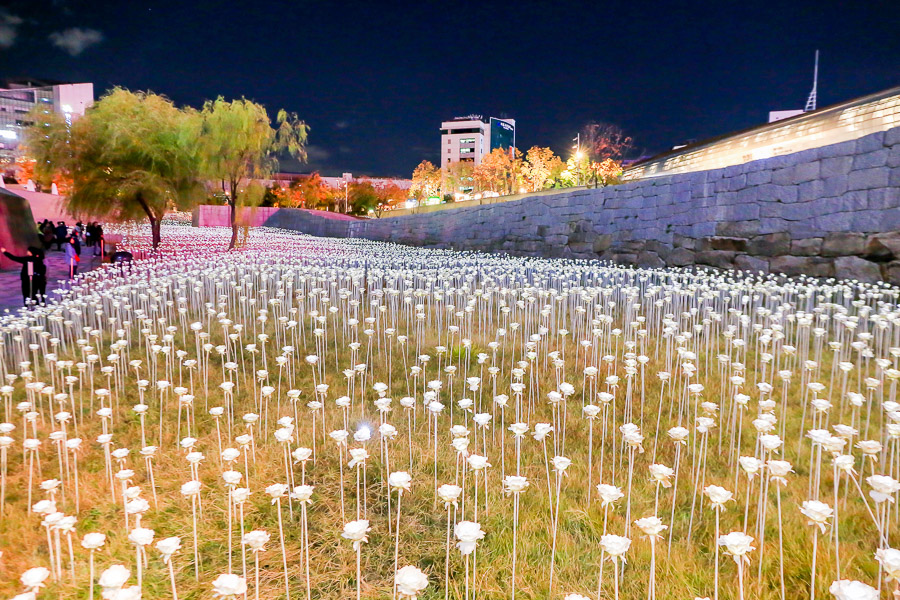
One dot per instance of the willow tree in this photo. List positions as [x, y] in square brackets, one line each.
[132, 155]
[240, 146]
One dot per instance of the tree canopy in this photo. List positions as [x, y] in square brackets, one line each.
[133, 154]
[239, 145]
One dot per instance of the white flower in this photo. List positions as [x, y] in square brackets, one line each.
[575, 597]
[114, 577]
[400, 481]
[477, 462]
[467, 533]
[817, 512]
[229, 585]
[883, 488]
[358, 456]
[302, 454]
[845, 589]
[541, 431]
[661, 474]
[303, 493]
[560, 463]
[514, 484]
[92, 541]
[141, 536]
[191, 488]
[356, 531]
[738, 544]
[255, 539]
[651, 526]
[449, 494]
[778, 470]
[890, 562]
[718, 496]
[410, 581]
[168, 546]
[609, 494]
[276, 491]
[518, 429]
[34, 578]
[615, 545]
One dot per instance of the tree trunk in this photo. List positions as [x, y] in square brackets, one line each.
[155, 225]
[234, 228]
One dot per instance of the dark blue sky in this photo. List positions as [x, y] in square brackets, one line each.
[374, 80]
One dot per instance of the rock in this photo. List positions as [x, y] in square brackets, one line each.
[892, 272]
[602, 243]
[883, 247]
[681, 241]
[650, 259]
[738, 228]
[681, 257]
[853, 267]
[745, 262]
[731, 244]
[802, 265]
[722, 259]
[773, 244]
[843, 244]
[806, 247]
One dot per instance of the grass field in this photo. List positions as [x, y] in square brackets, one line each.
[358, 286]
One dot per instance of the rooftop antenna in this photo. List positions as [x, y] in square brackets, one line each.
[811, 101]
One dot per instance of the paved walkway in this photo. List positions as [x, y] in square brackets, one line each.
[57, 275]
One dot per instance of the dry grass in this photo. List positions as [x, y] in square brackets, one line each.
[683, 571]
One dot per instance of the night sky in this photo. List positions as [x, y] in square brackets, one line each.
[374, 80]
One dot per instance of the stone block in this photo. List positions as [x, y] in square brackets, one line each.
[892, 137]
[802, 265]
[681, 241]
[883, 247]
[602, 243]
[806, 172]
[772, 244]
[843, 244]
[733, 244]
[737, 228]
[838, 165]
[807, 246]
[870, 143]
[722, 259]
[878, 158]
[892, 270]
[649, 259]
[853, 267]
[745, 262]
[681, 257]
[866, 179]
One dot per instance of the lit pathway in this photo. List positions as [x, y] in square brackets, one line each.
[57, 275]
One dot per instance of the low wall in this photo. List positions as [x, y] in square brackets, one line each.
[829, 211]
[314, 222]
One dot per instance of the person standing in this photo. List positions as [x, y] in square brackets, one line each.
[62, 235]
[33, 275]
[72, 258]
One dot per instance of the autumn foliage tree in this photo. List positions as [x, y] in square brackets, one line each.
[426, 181]
[498, 172]
[600, 141]
[540, 168]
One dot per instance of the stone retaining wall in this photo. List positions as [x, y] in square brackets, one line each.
[829, 211]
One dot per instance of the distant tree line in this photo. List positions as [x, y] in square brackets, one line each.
[136, 155]
[597, 161]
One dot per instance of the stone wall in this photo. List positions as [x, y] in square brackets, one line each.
[829, 211]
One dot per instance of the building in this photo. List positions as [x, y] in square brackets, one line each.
[19, 97]
[840, 122]
[470, 138]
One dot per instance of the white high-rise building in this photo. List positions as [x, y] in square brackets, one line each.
[18, 97]
[470, 138]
